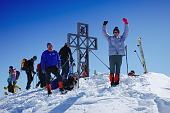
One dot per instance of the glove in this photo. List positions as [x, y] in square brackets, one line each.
[105, 22]
[125, 20]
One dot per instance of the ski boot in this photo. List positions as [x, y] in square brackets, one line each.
[111, 77]
[116, 79]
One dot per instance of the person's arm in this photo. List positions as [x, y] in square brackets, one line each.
[70, 54]
[58, 61]
[104, 30]
[126, 29]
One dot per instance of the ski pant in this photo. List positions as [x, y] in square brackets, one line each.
[115, 62]
[29, 79]
[54, 70]
[65, 68]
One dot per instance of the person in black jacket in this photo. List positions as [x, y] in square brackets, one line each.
[65, 56]
[30, 71]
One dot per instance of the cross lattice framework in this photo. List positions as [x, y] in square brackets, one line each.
[83, 43]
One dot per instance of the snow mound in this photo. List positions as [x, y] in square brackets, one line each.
[148, 93]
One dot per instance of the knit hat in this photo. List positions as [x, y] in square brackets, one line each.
[116, 29]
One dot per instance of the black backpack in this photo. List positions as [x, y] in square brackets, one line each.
[17, 75]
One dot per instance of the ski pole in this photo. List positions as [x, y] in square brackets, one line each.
[100, 60]
[126, 60]
[138, 57]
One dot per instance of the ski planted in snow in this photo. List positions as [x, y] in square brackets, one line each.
[142, 55]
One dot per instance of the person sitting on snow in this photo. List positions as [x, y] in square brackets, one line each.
[68, 84]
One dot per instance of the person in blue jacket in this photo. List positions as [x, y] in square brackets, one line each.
[116, 50]
[50, 63]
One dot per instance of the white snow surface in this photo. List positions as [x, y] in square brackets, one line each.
[148, 93]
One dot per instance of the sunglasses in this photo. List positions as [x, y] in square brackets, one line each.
[115, 32]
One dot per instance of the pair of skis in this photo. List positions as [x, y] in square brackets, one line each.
[141, 59]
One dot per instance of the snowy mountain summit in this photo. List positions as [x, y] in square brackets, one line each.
[149, 93]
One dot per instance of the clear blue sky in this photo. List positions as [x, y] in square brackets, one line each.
[27, 25]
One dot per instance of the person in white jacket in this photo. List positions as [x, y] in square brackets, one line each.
[116, 50]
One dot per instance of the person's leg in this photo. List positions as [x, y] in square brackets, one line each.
[55, 71]
[118, 67]
[65, 68]
[42, 79]
[9, 86]
[112, 68]
[47, 79]
[112, 63]
[29, 79]
[13, 87]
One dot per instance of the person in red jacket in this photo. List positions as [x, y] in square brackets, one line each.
[41, 76]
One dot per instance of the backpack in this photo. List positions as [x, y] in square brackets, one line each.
[24, 64]
[17, 75]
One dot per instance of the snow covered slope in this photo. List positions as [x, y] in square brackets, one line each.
[148, 93]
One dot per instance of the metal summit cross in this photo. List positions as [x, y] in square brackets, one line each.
[83, 43]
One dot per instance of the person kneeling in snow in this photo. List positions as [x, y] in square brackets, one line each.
[68, 84]
[116, 50]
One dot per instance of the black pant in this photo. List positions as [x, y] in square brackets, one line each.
[54, 70]
[29, 79]
[65, 68]
[115, 62]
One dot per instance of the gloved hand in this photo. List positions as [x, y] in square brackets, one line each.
[105, 22]
[125, 21]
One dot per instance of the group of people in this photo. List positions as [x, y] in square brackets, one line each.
[52, 62]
